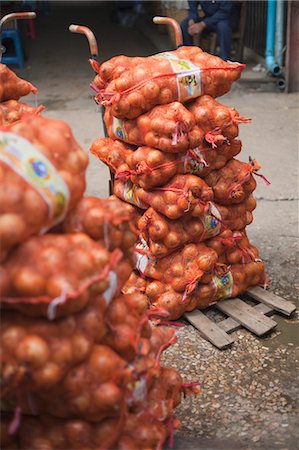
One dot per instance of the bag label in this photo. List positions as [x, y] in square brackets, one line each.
[188, 76]
[223, 285]
[35, 168]
[193, 165]
[130, 194]
[118, 129]
[212, 221]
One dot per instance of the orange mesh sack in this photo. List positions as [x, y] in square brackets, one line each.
[112, 153]
[223, 283]
[182, 269]
[160, 236]
[11, 111]
[167, 77]
[234, 182]
[93, 390]
[11, 86]
[217, 122]
[233, 247]
[42, 171]
[111, 69]
[37, 353]
[169, 128]
[108, 220]
[203, 160]
[149, 167]
[237, 217]
[54, 275]
[182, 194]
[51, 433]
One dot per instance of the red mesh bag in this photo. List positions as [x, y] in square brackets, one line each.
[134, 284]
[149, 167]
[112, 153]
[237, 217]
[108, 220]
[111, 69]
[160, 236]
[50, 433]
[11, 86]
[11, 111]
[234, 182]
[93, 390]
[180, 75]
[217, 122]
[233, 247]
[38, 353]
[182, 194]
[183, 268]
[224, 283]
[169, 128]
[42, 171]
[54, 275]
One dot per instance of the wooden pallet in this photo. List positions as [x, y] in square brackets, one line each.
[240, 314]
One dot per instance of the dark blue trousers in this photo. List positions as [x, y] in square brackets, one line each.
[224, 29]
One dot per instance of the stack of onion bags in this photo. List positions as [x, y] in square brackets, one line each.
[172, 150]
[80, 363]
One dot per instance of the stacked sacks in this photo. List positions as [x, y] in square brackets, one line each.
[174, 156]
[80, 364]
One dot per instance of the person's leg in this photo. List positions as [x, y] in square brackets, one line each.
[187, 38]
[224, 32]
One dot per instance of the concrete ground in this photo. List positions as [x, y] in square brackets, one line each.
[249, 397]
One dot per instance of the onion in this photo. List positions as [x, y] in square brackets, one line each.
[27, 282]
[12, 229]
[48, 375]
[33, 350]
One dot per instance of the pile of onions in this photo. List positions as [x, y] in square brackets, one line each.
[216, 121]
[170, 128]
[233, 183]
[162, 236]
[182, 194]
[107, 220]
[163, 296]
[153, 81]
[150, 167]
[11, 86]
[61, 270]
[23, 211]
[12, 110]
[112, 153]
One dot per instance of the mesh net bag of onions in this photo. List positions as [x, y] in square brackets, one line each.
[42, 172]
[12, 110]
[175, 128]
[150, 167]
[179, 75]
[110, 221]
[11, 86]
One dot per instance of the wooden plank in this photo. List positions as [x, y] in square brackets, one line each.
[271, 300]
[209, 329]
[246, 315]
[229, 325]
[262, 308]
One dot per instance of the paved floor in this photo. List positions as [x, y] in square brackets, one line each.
[249, 393]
